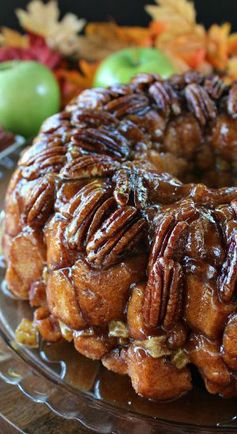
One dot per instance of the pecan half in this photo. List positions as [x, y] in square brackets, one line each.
[193, 77]
[89, 166]
[165, 98]
[131, 180]
[232, 101]
[142, 80]
[128, 105]
[82, 208]
[163, 294]
[214, 86]
[227, 283]
[200, 103]
[42, 159]
[93, 118]
[169, 237]
[118, 236]
[91, 99]
[39, 204]
[101, 141]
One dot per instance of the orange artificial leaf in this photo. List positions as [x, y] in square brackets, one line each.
[231, 70]
[232, 44]
[88, 70]
[103, 30]
[157, 28]
[11, 38]
[111, 32]
[188, 48]
[217, 45]
[72, 82]
[139, 36]
[197, 58]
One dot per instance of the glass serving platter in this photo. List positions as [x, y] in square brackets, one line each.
[78, 388]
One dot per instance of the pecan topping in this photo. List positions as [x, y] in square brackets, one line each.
[163, 294]
[142, 80]
[234, 207]
[179, 82]
[155, 346]
[54, 123]
[102, 141]
[203, 195]
[39, 161]
[97, 226]
[214, 86]
[227, 283]
[118, 90]
[27, 334]
[91, 99]
[169, 237]
[193, 77]
[89, 166]
[165, 98]
[200, 103]
[40, 203]
[82, 208]
[128, 105]
[100, 215]
[232, 101]
[93, 118]
[119, 235]
[131, 181]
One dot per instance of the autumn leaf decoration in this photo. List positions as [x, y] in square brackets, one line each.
[43, 20]
[178, 15]
[182, 38]
[74, 56]
[72, 82]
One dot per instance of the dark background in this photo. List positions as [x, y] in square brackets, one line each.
[128, 12]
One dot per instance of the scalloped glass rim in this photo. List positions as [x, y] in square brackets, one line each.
[30, 372]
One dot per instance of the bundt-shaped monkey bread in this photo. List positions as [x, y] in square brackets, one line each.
[134, 266]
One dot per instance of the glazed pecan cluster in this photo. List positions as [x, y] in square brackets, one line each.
[136, 267]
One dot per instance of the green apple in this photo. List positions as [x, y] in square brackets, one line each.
[121, 66]
[29, 93]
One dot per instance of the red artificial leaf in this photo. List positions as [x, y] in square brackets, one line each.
[37, 50]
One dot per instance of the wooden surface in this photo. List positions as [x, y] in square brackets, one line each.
[19, 414]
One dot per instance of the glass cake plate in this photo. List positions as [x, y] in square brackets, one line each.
[78, 388]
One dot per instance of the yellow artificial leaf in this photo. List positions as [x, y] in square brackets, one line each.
[11, 38]
[43, 19]
[217, 45]
[231, 70]
[65, 37]
[179, 15]
[232, 44]
[39, 17]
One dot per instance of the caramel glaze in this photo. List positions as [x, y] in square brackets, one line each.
[136, 267]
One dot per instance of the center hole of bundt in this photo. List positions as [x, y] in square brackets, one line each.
[193, 153]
